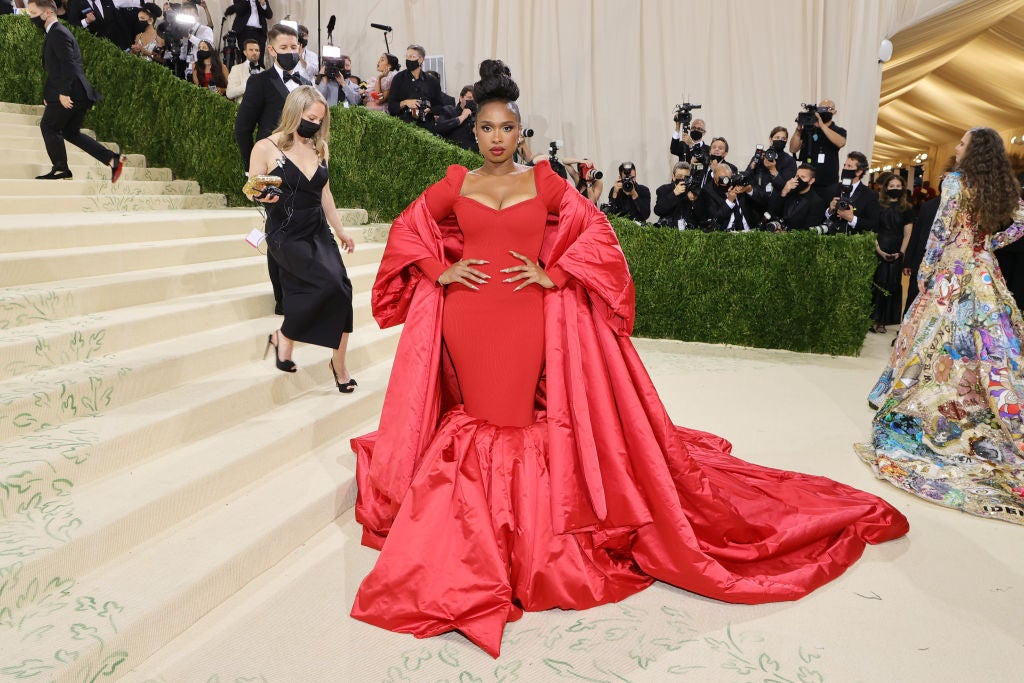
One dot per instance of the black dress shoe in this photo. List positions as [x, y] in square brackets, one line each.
[55, 175]
[278, 308]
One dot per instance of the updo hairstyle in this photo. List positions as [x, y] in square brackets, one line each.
[496, 84]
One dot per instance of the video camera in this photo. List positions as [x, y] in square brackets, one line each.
[683, 114]
[333, 63]
[807, 118]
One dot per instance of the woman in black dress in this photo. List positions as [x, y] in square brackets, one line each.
[894, 227]
[317, 292]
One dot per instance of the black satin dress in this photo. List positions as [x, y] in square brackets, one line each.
[887, 289]
[317, 292]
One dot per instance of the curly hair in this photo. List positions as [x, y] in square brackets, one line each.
[986, 169]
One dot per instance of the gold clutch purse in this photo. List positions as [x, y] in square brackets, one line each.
[258, 184]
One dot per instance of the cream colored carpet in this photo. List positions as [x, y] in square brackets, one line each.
[174, 509]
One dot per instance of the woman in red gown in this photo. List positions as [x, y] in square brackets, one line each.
[524, 460]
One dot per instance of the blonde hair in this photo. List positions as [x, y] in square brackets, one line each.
[299, 100]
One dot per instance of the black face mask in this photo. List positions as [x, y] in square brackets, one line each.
[801, 184]
[826, 116]
[894, 193]
[848, 173]
[307, 129]
[40, 23]
[696, 134]
[204, 54]
[779, 145]
[716, 157]
[412, 64]
[287, 60]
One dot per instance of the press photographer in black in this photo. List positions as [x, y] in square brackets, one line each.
[412, 91]
[687, 142]
[854, 205]
[797, 204]
[103, 19]
[250, 22]
[771, 169]
[724, 204]
[628, 197]
[717, 151]
[676, 199]
[817, 140]
[456, 122]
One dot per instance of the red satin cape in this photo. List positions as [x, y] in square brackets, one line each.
[595, 500]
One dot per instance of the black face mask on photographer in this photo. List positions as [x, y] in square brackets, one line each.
[287, 60]
[779, 145]
[412, 64]
[307, 129]
[801, 185]
[848, 173]
[696, 134]
[826, 116]
[716, 157]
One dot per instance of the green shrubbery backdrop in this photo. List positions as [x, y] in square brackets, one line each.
[794, 291]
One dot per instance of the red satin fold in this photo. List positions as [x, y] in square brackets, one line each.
[600, 496]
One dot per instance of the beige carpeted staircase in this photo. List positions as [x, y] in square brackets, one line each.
[151, 462]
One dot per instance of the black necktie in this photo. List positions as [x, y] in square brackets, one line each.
[292, 77]
[737, 217]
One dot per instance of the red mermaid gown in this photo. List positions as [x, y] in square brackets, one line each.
[524, 460]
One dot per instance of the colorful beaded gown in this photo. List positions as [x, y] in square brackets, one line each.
[950, 420]
[524, 460]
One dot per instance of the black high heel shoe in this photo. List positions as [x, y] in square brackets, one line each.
[282, 365]
[346, 388]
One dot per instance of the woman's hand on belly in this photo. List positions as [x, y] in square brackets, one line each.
[464, 273]
[529, 273]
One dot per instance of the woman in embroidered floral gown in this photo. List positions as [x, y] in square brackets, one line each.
[949, 426]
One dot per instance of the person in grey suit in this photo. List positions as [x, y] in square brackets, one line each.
[67, 96]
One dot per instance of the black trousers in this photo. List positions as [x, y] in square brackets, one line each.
[59, 124]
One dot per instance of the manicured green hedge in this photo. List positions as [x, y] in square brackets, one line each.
[377, 162]
[795, 291]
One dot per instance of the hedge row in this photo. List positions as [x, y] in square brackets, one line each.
[377, 162]
[795, 291]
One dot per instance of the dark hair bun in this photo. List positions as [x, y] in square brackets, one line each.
[495, 83]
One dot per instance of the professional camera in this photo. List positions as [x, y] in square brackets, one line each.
[807, 118]
[770, 154]
[421, 110]
[628, 184]
[471, 106]
[744, 177]
[527, 132]
[683, 114]
[588, 172]
[758, 156]
[844, 202]
[556, 165]
[332, 62]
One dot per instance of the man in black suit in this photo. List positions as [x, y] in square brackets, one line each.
[918, 241]
[797, 204]
[412, 85]
[261, 106]
[685, 145]
[724, 206]
[251, 21]
[862, 215]
[67, 96]
[103, 19]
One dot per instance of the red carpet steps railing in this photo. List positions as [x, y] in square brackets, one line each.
[151, 462]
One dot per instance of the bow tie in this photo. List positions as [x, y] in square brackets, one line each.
[292, 77]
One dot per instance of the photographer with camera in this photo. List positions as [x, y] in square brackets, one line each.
[412, 91]
[103, 19]
[688, 138]
[854, 205]
[675, 200]
[724, 204]
[456, 122]
[797, 204]
[587, 179]
[335, 80]
[239, 74]
[309, 61]
[771, 169]
[717, 151]
[629, 198]
[250, 21]
[182, 31]
[817, 140]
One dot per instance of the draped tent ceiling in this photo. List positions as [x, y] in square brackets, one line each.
[959, 69]
[604, 75]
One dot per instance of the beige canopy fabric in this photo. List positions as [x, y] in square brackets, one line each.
[604, 75]
[961, 68]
